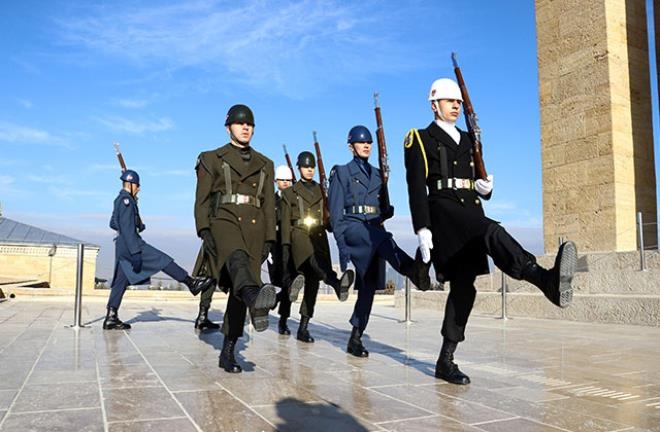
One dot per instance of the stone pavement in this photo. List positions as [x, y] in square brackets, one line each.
[527, 374]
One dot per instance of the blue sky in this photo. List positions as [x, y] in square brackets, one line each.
[159, 76]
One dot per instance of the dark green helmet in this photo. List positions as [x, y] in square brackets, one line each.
[306, 159]
[239, 114]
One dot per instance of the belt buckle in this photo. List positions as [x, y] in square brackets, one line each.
[242, 199]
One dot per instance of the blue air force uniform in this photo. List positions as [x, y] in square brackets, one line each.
[359, 204]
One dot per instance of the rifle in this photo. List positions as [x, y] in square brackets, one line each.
[288, 162]
[120, 157]
[471, 123]
[382, 147]
[323, 182]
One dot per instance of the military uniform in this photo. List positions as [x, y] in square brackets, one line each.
[359, 205]
[305, 236]
[235, 201]
[442, 197]
[131, 251]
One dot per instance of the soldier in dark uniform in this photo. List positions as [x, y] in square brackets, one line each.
[290, 290]
[359, 205]
[445, 203]
[304, 238]
[136, 260]
[235, 218]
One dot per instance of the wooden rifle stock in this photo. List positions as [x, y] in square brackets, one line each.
[382, 146]
[323, 182]
[288, 162]
[471, 123]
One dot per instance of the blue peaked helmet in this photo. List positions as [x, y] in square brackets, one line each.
[359, 134]
[130, 176]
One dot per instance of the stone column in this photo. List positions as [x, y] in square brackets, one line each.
[596, 128]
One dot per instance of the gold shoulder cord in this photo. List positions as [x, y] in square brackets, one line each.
[408, 143]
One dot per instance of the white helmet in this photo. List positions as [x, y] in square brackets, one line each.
[283, 173]
[445, 88]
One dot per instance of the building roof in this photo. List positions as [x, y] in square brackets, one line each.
[19, 233]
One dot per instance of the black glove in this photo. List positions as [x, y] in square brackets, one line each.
[207, 242]
[136, 261]
[266, 251]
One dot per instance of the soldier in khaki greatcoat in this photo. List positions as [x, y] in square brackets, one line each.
[235, 218]
[305, 240]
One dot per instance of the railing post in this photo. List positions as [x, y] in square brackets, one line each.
[408, 319]
[640, 228]
[77, 310]
[504, 290]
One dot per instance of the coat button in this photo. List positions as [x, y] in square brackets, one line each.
[239, 219]
[254, 185]
[462, 200]
[254, 221]
[455, 162]
[477, 202]
[471, 164]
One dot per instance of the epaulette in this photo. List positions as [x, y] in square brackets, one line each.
[409, 141]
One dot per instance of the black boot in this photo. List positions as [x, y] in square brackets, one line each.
[303, 334]
[259, 301]
[112, 321]
[343, 285]
[355, 346]
[202, 322]
[197, 285]
[282, 328]
[446, 369]
[296, 286]
[418, 273]
[227, 360]
[556, 282]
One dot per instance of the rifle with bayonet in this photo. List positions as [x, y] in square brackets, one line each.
[382, 147]
[471, 123]
[323, 182]
[122, 164]
[288, 162]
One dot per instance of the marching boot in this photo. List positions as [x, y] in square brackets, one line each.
[418, 273]
[282, 327]
[197, 285]
[112, 321]
[446, 369]
[341, 286]
[227, 360]
[296, 286]
[259, 301]
[202, 322]
[556, 282]
[355, 346]
[303, 334]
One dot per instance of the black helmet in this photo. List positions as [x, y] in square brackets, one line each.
[359, 134]
[306, 159]
[239, 114]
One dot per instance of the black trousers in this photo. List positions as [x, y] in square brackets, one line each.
[315, 269]
[237, 269]
[507, 254]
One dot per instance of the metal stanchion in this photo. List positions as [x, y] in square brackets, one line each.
[408, 319]
[640, 228]
[504, 290]
[77, 310]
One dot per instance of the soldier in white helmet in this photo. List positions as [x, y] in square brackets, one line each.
[276, 270]
[453, 231]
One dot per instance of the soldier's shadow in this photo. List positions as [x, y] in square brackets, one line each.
[155, 314]
[297, 415]
[339, 337]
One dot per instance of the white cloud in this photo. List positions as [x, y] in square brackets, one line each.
[136, 126]
[132, 103]
[13, 133]
[281, 46]
[25, 103]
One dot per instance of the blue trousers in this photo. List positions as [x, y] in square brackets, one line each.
[120, 282]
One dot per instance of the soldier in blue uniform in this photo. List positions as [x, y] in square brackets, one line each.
[359, 205]
[136, 260]
[445, 205]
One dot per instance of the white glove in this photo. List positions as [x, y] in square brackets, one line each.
[425, 239]
[484, 187]
[270, 258]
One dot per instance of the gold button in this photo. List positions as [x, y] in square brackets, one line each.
[254, 185]
[254, 221]
[455, 162]
[239, 219]
[477, 202]
[462, 200]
